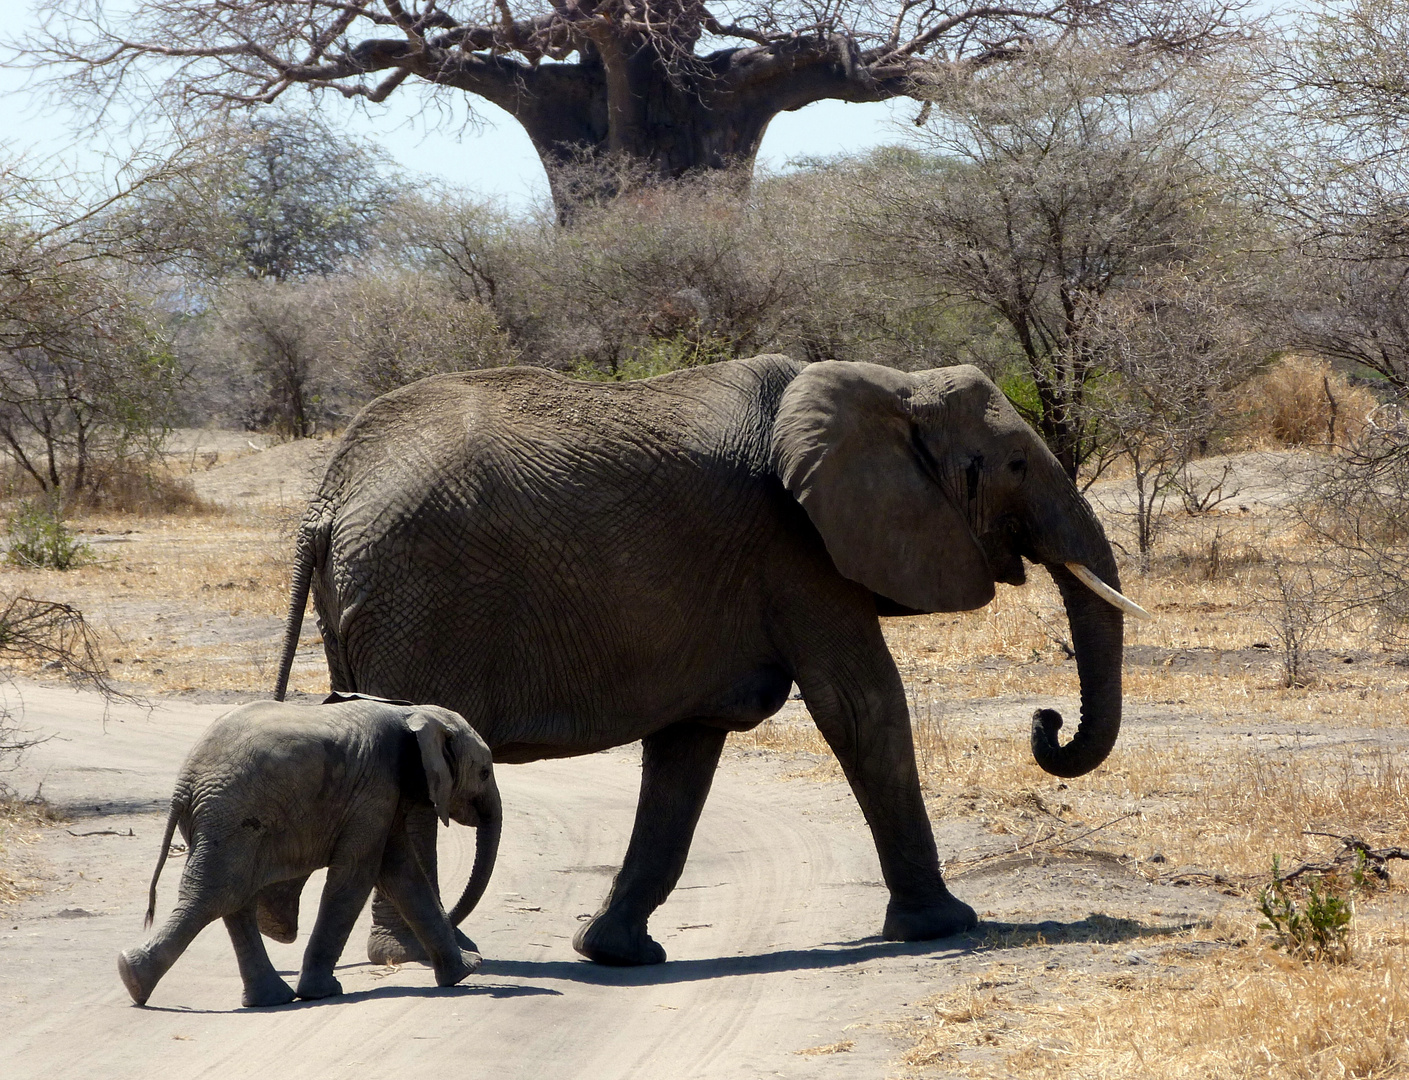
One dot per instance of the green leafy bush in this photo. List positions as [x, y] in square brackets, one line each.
[1312, 923]
[39, 538]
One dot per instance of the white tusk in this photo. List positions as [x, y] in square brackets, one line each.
[1106, 593]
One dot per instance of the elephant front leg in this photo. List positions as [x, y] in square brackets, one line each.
[392, 941]
[867, 726]
[677, 768]
[405, 884]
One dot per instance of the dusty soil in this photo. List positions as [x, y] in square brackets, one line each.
[775, 969]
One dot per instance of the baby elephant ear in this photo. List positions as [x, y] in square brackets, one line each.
[433, 737]
[845, 445]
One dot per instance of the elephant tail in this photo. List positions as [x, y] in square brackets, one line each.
[298, 601]
[177, 806]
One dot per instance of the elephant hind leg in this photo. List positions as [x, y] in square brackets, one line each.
[262, 983]
[141, 968]
[677, 769]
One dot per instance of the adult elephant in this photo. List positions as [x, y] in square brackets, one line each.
[573, 566]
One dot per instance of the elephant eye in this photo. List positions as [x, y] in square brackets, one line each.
[1018, 466]
[484, 773]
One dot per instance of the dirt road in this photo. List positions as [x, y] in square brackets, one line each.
[766, 934]
[769, 933]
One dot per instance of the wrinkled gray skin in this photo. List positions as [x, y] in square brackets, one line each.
[580, 565]
[273, 791]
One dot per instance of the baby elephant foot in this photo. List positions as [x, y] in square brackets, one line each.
[132, 967]
[398, 945]
[942, 917]
[449, 974]
[312, 986]
[606, 940]
[267, 992]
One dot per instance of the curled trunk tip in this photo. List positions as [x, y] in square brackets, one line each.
[1077, 758]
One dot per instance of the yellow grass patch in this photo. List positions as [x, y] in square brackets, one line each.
[842, 1047]
[1236, 1014]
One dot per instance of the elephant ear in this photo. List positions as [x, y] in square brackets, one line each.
[846, 446]
[434, 739]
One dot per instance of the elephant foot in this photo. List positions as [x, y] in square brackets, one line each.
[450, 974]
[940, 918]
[130, 968]
[311, 987]
[398, 945]
[607, 941]
[267, 992]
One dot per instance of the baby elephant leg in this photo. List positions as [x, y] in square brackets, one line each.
[262, 983]
[142, 968]
[405, 884]
[350, 881]
[196, 908]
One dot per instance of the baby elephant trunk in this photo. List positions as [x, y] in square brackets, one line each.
[491, 823]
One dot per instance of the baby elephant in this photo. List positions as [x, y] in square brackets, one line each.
[274, 791]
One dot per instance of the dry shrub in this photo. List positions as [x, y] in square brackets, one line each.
[143, 490]
[1302, 401]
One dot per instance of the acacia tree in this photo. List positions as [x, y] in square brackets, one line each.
[676, 84]
[86, 373]
[273, 196]
[1053, 184]
[1339, 178]
[1177, 344]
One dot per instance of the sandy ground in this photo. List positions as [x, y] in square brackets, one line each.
[770, 933]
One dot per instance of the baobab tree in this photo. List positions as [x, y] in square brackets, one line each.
[670, 86]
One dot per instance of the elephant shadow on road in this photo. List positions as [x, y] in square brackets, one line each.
[986, 937]
[467, 989]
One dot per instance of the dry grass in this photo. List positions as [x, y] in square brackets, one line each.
[1232, 1014]
[20, 822]
[843, 1047]
[1302, 401]
[179, 603]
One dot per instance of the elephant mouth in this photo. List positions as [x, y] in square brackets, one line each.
[1003, 549]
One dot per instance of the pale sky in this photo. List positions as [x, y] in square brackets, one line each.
[494, 160]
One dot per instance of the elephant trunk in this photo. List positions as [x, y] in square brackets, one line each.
[1071, 534]
[491, 824]
[1097, 633]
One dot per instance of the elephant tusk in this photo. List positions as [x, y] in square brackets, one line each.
[1106, 593]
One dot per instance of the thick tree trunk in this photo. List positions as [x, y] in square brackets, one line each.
[621, 100]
